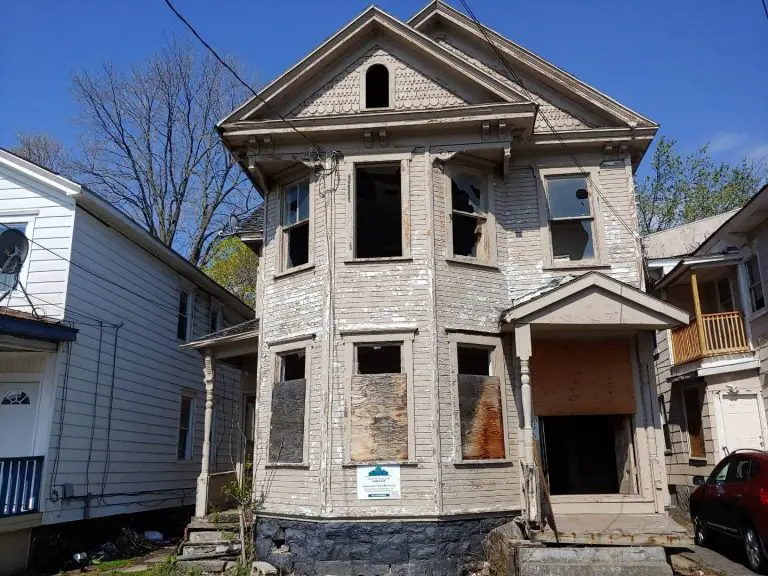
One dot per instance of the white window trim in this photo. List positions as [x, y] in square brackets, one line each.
[753, 313]
[685, 421]
[405, 205]
[485, 176]
[22, 217]
[591, 174]
[185, 286]
[295, 345]
[189, 448]
[498, 367]
[363, 83]
[383, 336]
[281, 268]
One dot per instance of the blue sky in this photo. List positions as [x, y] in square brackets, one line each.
[698, 67]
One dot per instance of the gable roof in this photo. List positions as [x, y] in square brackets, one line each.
[597, 300]
[752, 214]
[532, 64]
[96, 205]
[373, 18]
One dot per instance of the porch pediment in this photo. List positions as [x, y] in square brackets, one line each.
[595, 300]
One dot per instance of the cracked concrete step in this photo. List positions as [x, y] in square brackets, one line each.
[199, 536]
[207, 566]
[212, 547]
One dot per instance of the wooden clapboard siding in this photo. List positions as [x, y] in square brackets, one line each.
[149, 376]
[582, 377]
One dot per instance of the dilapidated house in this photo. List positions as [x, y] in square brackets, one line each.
[450, 303]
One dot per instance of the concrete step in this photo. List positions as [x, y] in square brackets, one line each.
[591, 561]
[208, 525]
[197, 536]
[222, 547]
[207, 566]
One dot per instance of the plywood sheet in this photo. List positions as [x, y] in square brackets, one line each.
[480, 415]
[286, 430]
[581, 377]
[379, 417]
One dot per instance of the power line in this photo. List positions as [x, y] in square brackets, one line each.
[551, 127]
[236, 75]
[97, 275]
[765, 7]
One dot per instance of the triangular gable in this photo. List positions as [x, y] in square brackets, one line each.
[373, 22]
[412, 89]
[533, 70]
[596, 300]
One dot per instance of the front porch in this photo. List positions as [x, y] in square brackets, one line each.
[591, 436]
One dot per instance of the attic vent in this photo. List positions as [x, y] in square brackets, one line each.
[377, 87]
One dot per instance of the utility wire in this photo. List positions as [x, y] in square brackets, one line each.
[765, 7]
[551, 127]
[236, 75]
[99, 276]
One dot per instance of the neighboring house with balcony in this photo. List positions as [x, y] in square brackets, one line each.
[711, 372]
[445, 298]
[100, 412]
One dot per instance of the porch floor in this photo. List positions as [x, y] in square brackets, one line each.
[617, 530]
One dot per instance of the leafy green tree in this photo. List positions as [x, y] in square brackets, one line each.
[233, 265]
[681, 189]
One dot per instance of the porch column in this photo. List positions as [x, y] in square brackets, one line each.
[523, 350]
[697, 311]
[209, 373]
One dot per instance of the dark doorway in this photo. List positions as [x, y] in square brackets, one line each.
[580, 454]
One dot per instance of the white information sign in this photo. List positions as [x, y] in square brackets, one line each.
[378, 482]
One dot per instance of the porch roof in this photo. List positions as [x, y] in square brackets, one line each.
[702, 261]
[594, 300]
[20, 330]
[239, 333]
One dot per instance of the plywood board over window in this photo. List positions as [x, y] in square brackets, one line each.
[379, 397]
[582, 377]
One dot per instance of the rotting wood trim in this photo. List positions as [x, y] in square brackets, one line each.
[379, 417]
[481, 417]
[286, 427]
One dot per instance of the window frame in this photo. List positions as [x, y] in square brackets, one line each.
[281, 265]
[686, 420]
[590, 174]
[189, 449]
[190, 291]
[215, 307]
[403, 337]
[277, 351]
[405, 205]
[28, 218]
[489, 227]
[665, 430]
[364, 84]
[750, 284]
[497, 367]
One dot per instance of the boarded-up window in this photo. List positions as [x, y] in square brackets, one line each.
[378, 405]
[480, 409]
[693, 406]
[286, 432]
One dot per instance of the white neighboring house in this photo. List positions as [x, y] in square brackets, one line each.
[101, 413]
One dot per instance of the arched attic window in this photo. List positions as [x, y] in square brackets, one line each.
[377, 87]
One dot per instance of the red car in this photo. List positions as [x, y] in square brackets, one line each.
[733, 501]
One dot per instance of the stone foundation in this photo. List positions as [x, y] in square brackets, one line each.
[372, 548]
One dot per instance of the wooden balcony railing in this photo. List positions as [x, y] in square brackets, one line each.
[710, 335]
[20, 485]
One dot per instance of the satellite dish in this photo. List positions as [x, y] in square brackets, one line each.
[14, 248]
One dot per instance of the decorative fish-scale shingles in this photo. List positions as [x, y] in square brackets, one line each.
[342, 95]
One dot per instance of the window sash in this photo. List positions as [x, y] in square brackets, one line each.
[756, 294]
[298, 191]
[186, 428]
[587, 204]
[183, 320]
[590, 240]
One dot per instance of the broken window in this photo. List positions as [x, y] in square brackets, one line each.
[295, 224]
[570, 218]
[377, 87]
[757, 299]
[378, 211]
[468, 215]
[378, 404]
[286, 428]
[480, 407]
[693, 407]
